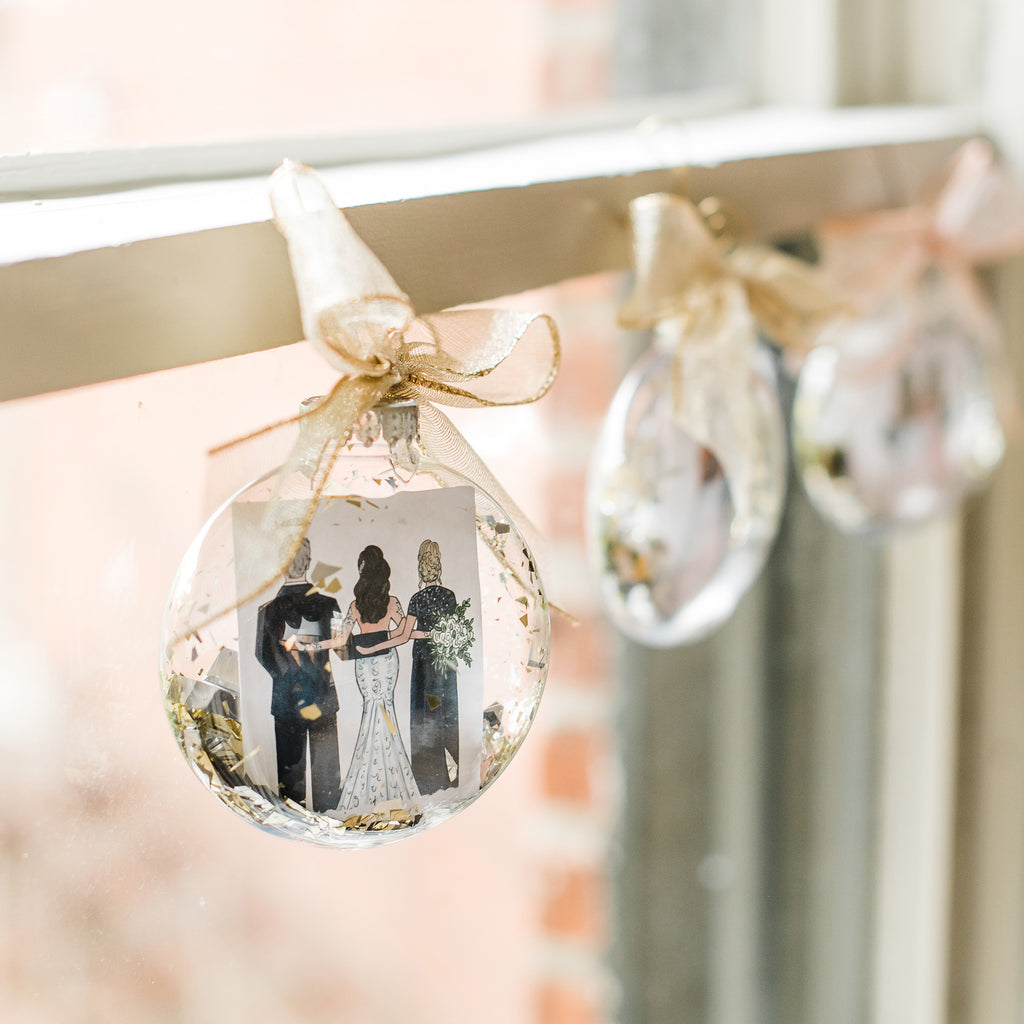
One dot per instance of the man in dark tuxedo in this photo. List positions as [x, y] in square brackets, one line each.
[303, 700]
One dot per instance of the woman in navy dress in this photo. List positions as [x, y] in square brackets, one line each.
[434, 700]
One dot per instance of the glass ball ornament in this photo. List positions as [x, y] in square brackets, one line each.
[391, 672]
[894, 417]
[686, 486]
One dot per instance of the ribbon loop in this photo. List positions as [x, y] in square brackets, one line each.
[352, 309]
[672, 252]
[483, 357]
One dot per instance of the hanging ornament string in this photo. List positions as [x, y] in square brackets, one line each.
[971, 216]
[362, 323]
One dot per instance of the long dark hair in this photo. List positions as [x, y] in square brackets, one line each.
[373, 588]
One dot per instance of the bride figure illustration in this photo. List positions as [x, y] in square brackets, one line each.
[380, 771]
[434, 699]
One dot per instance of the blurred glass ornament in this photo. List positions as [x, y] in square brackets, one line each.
[684, 503]
[895, 420]
[902, 412]
[218, 695]
[688, 476]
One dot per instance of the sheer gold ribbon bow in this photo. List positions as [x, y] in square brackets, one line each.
[362, 323]
[971, 215]
[708, 295]
[683, 271]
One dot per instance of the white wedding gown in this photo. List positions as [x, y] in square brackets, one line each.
[380, 771]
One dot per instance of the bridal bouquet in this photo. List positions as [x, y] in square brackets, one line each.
[451, 639]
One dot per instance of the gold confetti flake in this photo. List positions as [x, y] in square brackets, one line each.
[323, 571]
[433, 702]
[385, 820]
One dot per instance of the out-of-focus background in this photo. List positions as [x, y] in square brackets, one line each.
[583, 887]
[129, 893]
[78, 75]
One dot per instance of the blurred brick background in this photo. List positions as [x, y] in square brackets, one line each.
[128, 893]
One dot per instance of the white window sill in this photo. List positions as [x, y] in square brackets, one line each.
[130, 280]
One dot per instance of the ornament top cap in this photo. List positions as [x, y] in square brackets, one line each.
[390, 422]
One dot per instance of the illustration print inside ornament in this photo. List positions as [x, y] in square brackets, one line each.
[388, 676]
[677, 538]
[298, 651]
[896, 423]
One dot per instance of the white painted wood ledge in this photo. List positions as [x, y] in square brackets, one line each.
[98, 284]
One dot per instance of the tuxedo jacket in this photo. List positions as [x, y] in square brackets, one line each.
[300, 679]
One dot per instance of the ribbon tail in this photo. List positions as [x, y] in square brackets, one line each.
[443, 443]
[713, 377]
[324, 427]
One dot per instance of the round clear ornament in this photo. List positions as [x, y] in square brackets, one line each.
[894, 417]
[686, 486]
[387, 677]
